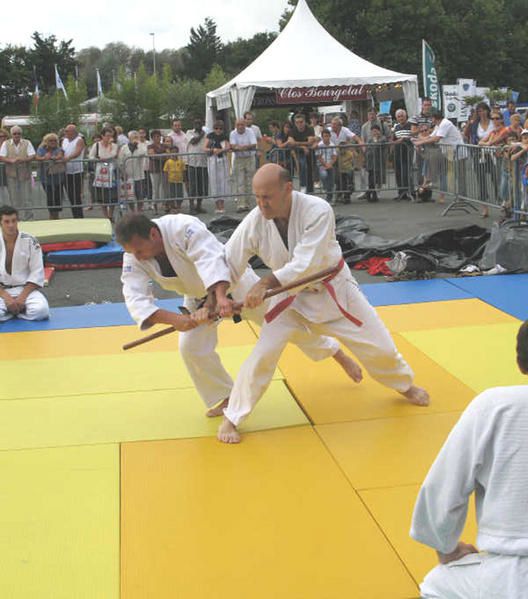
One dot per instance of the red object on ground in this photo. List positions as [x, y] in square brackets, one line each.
[49, 271]
[374, 266]
[68, 245]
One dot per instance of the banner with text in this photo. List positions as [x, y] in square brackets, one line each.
[325, 94]
[430, 78]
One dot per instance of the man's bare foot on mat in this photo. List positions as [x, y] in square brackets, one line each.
[351, 367]
[217, 410]
[417, 396]
[227, 433]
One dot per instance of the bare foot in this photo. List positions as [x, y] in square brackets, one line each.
[349, 366]
[227, 433]
[218, 410]
[417, 396]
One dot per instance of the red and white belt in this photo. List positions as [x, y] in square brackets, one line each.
[279, 307]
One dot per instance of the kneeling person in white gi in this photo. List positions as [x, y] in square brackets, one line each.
[181, 255]
[21, 271]
[294, 235]
[485, 453]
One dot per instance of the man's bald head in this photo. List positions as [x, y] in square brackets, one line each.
[272, 186]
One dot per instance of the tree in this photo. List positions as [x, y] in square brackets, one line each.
[17, 80]
[481, 39]
[48, 52]
[203, 50]
[237, 55]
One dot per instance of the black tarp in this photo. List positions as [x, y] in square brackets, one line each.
[450, 249]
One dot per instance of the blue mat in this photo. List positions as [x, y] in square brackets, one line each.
[110, 253]
[508, 293]
[82, 317]
[413, 292]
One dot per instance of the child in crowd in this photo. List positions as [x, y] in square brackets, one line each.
[174, 170]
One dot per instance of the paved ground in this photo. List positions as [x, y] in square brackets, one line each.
[392, 220]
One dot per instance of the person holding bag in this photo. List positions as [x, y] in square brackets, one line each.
[105, 179]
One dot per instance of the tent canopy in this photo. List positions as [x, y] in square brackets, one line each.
[305, 55]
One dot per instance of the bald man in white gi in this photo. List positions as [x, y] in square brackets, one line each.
[294, 235]
[21, 271]
[181, 255]
[486, 453]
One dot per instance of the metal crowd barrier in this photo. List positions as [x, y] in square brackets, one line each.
[466, 175]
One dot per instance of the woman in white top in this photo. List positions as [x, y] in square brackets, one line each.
[105, 180]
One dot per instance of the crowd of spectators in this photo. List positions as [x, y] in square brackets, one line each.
[413, 156]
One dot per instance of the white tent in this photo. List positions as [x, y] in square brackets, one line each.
[304, 55]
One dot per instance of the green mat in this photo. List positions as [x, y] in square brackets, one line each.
[69, 229]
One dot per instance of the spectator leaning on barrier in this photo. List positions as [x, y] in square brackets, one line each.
[403, 155]
[302, 138]
[74, 147]
[521, 156]
[131, 163]
[366, 136]
[446, 134]
[342, 136]
[156, 150]
[105, 183]
[52, 172]
[4, 196]
[216, 145]
[326, 155]
[17, 154]
[243, 143]
[374, 162]
[197, 175]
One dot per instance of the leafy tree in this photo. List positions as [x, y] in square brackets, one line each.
[16, 80]
[239, 54]
[203, 50]
[48, 52]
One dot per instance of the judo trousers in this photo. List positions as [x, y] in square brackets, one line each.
[478, 576]
[36, 306]
[213, 383]
[371, 343]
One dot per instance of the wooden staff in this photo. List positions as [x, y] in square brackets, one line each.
[318, 276]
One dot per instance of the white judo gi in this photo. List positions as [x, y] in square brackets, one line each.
[485, 453]
[339, 310]
[27, 267]
[197, 258]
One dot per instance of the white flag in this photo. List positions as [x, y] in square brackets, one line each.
[59, 84]
[99, 84]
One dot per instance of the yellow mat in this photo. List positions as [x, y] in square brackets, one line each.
[441, 315]
[480, 356]
[107, 340]
[392, 510]
[328, 395]
[90, 419]
[389, 451]
[273, 517]
[59, 377]
[60, 523]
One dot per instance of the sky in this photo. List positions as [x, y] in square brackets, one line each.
[98, 22]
